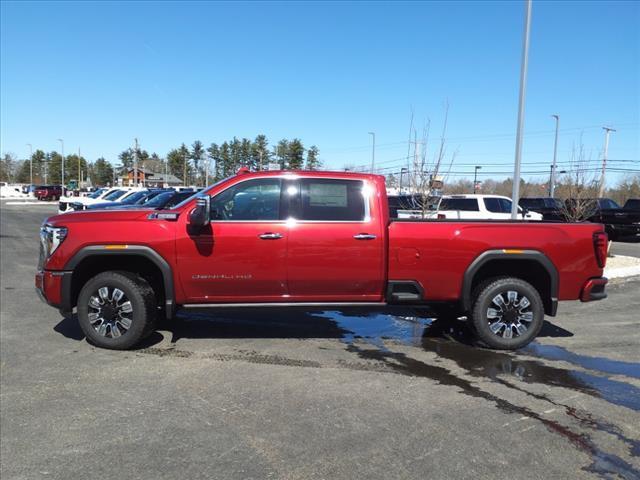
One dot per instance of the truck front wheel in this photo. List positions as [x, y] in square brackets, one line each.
[507, 313]
[116, 310]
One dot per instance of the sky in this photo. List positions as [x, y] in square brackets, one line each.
[99, 74]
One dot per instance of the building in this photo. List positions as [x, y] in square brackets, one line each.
[146, 178]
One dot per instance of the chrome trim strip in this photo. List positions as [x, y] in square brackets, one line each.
[286, 304]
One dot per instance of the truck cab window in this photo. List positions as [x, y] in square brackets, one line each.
[252, 200]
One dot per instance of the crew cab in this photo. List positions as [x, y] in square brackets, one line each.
[310, 239]
[476, 207]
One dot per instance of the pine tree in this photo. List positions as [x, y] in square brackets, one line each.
[313, 162]
[296, 154]
[197, 155]
[282, 154]
[260, 152]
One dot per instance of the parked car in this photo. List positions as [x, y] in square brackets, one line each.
[78, 203]
[310, 239]
[477, 207]
[632, 204]
[618, 222]
[134, 198]
[551, 209]
[158, 201]
[48, 192]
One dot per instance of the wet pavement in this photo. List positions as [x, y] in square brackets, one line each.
[298, 393]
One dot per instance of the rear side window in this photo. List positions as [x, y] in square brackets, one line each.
[463, 204]
[498, 205]
[331, 200]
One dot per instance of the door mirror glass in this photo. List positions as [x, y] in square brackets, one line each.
[200, 215]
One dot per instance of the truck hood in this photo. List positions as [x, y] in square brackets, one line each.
[98, 216]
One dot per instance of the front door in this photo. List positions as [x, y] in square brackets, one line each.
[336, 248]
[241, 256]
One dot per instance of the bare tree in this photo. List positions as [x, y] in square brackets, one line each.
[579, 187]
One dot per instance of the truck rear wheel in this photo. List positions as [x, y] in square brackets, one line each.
[507, 313]
[116, 310]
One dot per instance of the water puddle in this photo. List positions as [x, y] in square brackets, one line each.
[605, 365]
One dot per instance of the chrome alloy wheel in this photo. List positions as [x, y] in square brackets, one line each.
[110, 312]
[509, 314]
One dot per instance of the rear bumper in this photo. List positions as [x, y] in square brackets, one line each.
[54, 288]
[593, 290]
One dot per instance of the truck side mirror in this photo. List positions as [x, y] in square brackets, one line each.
[200, 215]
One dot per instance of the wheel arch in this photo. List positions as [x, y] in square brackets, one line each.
[532, 266]
[140, 259]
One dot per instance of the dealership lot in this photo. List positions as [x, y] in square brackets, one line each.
[297, 394]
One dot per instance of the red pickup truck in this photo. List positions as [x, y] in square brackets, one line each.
[310, 239]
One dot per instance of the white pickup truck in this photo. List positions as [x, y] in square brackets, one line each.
[459, 207]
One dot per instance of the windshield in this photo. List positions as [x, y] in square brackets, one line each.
[134, 197]
[144, 200]
[97, 193]
[159, 200]
[608, 203]
[114, 195]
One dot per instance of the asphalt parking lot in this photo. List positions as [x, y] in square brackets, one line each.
[298, 394]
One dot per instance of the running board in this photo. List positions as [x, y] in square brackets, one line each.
[286, 304]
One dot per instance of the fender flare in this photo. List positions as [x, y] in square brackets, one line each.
[503, 254]
[132, 250]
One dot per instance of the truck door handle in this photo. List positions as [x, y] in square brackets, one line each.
[270, 236]
[364, 236]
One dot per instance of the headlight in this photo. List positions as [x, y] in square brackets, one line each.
[51, 238]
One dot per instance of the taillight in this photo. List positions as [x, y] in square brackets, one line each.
[600, 240]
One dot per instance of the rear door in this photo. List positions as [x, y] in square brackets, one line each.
[336, 242]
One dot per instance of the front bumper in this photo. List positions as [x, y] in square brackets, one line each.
[593, 290]
[54, 288]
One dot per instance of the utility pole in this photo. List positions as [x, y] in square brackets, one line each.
[515, 194]
[184, 173]
[552, 179]
[135, 162]
[79, 171]
[206, 169]
[30, 164]
[475, 178]
[607, 131]
[62, 152]
[373, 151]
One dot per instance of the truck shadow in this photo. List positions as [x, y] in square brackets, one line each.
[299, 323]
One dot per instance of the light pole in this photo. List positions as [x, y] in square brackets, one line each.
[62, 153]
[552, 178]
[373, 151]
[475, 178]
[402, 171]
[30, 164]
[607, 131]
[515, 193]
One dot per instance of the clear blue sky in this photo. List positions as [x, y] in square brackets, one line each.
[100, 74]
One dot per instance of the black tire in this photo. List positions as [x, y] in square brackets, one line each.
[486, 318]
[132, 323]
